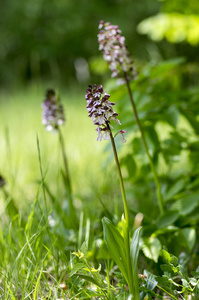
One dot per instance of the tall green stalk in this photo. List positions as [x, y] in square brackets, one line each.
[101, 112]
[67, 177]
[158, 187]
[41, 173]
[126, 226]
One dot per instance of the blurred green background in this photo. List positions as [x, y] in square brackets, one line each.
[56, 40]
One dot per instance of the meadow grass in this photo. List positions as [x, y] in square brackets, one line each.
[20, 114]
[41, 246]
[35, 255]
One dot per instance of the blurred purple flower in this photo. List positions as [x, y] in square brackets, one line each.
[112, 45]
[53, 112]
[2, 181]
[100, 110]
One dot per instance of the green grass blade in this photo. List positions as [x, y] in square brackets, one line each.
[37, 285]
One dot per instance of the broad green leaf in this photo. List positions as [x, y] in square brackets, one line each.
[186, 204]
[193, 122]
[175, 188]
[76, 268]
[103, 252]
[189, 235]
[134, 248]
[115, 245]
[134, 253]
[151, 248]
[172, 115]
[166, 256]
[193, 281]
[169, 268]
[176, 269]
[150, 284]
[152, 137]
[167, 219]
[175, 27]
[90, 279]
[185, 283]
[11, 208]
[143, 101]
[164, 230]
[166, 66]
[169, 258]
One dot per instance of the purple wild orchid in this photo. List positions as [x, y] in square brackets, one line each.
[2, 181]
[53, 112]
[100, 111]
[112, 45]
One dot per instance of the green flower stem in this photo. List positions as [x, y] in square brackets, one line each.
[120, 178]
[108, 278]
[126, 233]
[67, 180]
[159, 194]
[41, 173]
[61, 140]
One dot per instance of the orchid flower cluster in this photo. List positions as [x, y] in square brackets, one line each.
[112, 45]
[53, 112]
[101, 111]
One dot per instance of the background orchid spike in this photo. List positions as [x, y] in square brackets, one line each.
[53, 112]
[2, 181]
[100, 110]
[112, 45]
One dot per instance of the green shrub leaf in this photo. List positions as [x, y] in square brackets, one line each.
[186, 204]
[167, 219]
[189, 237]
[175, 188]
[151, 248]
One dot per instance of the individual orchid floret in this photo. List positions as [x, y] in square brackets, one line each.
[53, 112]
[112, 45]
[100, 110]
[122, 132]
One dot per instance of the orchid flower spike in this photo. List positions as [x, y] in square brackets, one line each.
[112, 45]
[100, 110]
[53, 112]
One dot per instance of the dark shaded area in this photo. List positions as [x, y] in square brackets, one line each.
[49, 40]
[42, 39]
